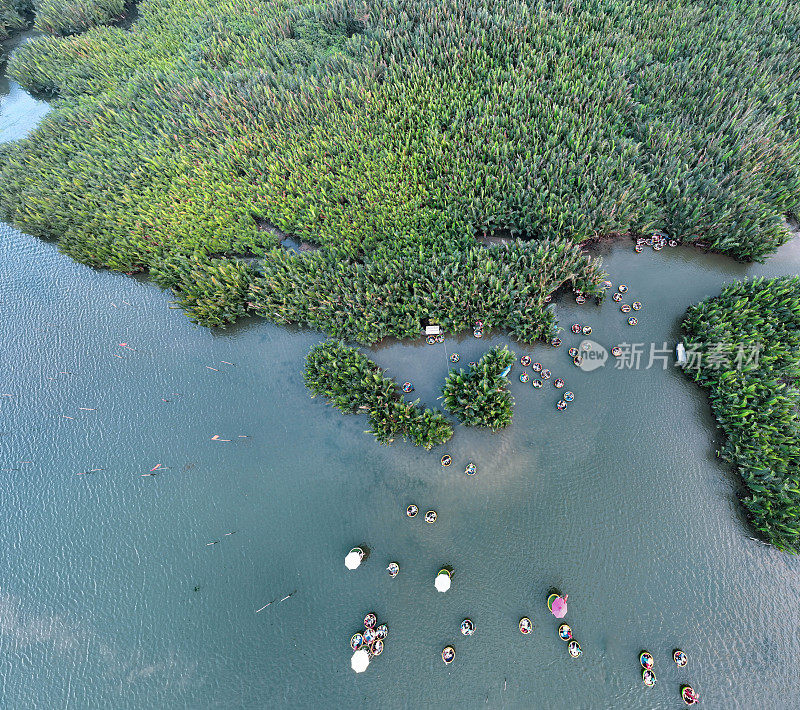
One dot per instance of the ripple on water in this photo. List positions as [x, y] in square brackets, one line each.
[618, 501]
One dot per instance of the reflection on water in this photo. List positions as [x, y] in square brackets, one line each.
[19, 111]
[112, 597]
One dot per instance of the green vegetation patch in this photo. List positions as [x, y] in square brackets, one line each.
[396, 292]
[748, 340]
[12, 19]
[371, 128]
[478, 397]
[68, 17]
[354, 384]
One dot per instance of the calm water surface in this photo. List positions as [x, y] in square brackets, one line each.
[110, 596]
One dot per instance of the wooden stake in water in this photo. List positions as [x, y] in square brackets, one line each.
[292, 593]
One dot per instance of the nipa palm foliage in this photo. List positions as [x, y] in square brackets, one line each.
[12, 19]
[373, 128]
[478, 396]
[395, 292]
[66, 17]
[755, 399]
[212, 291]
[353, 384]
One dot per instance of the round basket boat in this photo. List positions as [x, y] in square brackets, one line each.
[524, 377]
[617, 297]
[576, 328]
[551, 599]
[430, 516]
[633, 321]
[356, 641]
[577, 361]
[648, 677]
[439, 338]
[587, 330]
[376, 649]
[454, 357]
[477, 333]
[638, 249]
[673, 243]
[412, 510]
[448, 655]
[525, 360]
[471, 469]
[558, 383]
[658, 247]
[467, 627]
[607, 284]
[369, 636]
[447, 460]
[616, 351]
[586, 346]
[525, 625]
[636, 305]
[623, 288]
[381, 632]
[556, 342]
[580, 300]
[431, 340]
[689, 696]
[574, 649]
[393, 569]
[565, 632]
[408, 387]
[546, 374]
[573, 352]
[370, 620]
[569, 396]
[472, 364]
[561, 406]
[536, 367]
[680, 658]
[625, 308]
[646, 659]
[537, 383]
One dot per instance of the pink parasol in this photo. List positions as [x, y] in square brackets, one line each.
[559, 607]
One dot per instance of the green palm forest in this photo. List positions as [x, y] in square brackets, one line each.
[355, 384]
[755, 399]
[479, 395]
[13, 18]
[188, 144]
[60, 17]
[393, 291]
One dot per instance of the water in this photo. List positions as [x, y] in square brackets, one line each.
[19, 111]
[619, 501]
